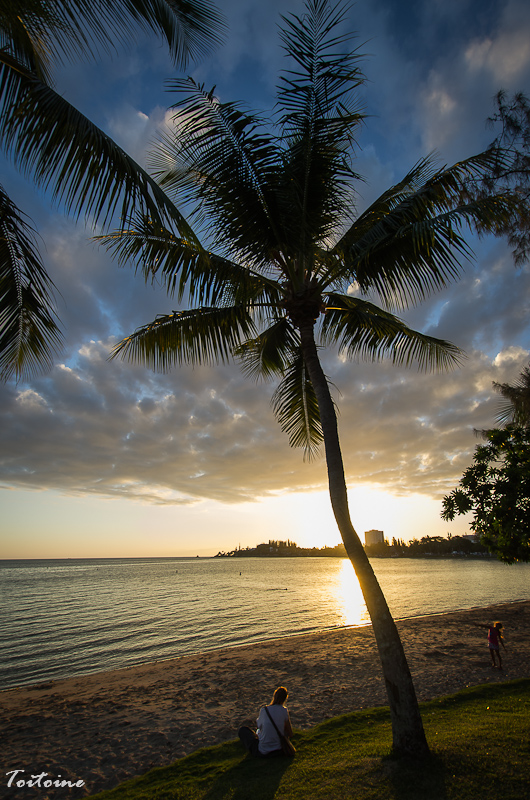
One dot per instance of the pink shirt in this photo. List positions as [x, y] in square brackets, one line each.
[493, 638]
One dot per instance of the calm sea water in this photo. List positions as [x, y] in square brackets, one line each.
[70, 617]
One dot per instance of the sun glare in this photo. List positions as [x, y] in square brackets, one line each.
[350, 599]
[403, 517]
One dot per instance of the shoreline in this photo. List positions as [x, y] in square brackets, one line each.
[106, 727]
[48, 682]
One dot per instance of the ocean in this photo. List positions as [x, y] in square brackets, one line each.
[70, 617]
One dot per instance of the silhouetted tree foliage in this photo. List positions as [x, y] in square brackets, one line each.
[516, 409]
[426, 546]
[511, 169]
[496, 489]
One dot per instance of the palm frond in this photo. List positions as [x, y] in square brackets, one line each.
[409, 243]
[27, 29]
[197, 336]
[186, 269]
[363, 329]
[29, 334]
[63, 150]
[62, 31]
[191, 28]
[296, 408]
[319, 118]
[516, 409]
[269, 354]
[327, 69]
[221, 158]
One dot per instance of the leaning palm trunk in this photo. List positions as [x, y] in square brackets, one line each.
[275, 196]
[407, 727]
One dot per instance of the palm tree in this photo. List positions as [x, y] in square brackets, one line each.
[289, 266]
[516, 410]
[62, 150]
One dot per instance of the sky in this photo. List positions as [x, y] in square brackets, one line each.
[108, 459]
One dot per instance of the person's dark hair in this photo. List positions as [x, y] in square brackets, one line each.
[280, 696]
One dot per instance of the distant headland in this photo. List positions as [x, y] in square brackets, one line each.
[278, 549]
[426, 547]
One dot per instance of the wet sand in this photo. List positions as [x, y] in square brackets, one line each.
[110, 726]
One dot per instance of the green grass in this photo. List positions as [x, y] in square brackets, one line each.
[479, 738]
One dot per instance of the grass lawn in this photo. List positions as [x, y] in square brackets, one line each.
[479, 738]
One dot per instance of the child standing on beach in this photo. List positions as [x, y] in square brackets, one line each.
[494, 639]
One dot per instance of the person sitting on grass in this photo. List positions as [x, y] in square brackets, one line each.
[273, 719]
[494, 639]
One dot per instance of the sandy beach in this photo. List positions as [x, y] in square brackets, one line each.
[107, 727]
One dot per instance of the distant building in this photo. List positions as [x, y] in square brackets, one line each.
[374, 537]
[266, 548]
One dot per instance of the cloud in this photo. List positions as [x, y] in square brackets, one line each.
[434, 71]
[506, 53]
[113, 430]
[98, 428]
[252, 57]
[134, 130]
[94, 427]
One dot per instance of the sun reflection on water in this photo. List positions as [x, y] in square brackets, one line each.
[350, 601]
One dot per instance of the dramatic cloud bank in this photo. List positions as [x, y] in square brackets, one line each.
[94, 428]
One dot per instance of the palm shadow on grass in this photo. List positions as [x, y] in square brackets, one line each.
[348, 757]
[250, 779]
[413, 779]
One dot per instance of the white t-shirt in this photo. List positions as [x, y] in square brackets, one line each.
[268, 738]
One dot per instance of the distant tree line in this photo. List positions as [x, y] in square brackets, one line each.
[427, 546]
[416, 548]
[276, 548]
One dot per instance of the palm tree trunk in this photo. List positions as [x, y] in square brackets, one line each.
[407, 727]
